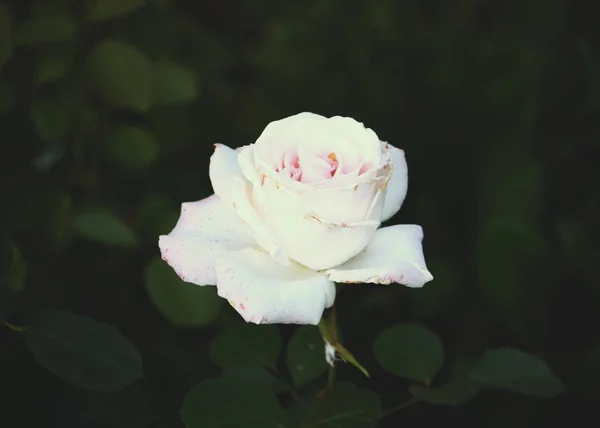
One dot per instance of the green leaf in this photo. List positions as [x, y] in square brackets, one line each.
[131, 147]
[450, 394]
[247, 344]
[223, 403]
[101, 10]
[175, 84]
[305, 355]
[516, 371]
[6, 43]
[181, 303]
[83, 351]
[104, 228]
[7, 95]
[345, 407]
[410, 351]
[121, 75]
[51, 119]
[52, 65]
[44, 29]
[256, 375]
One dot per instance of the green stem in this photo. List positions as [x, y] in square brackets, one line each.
[328, 329]
[331, 378]
[14, 328]
[325, 332]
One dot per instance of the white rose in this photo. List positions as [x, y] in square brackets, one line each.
[294, 212]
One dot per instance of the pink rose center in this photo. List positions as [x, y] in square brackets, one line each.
[321, 167]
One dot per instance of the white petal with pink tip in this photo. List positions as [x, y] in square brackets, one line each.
[206, 229]
[398, 184]
[265, 292]
[395, 255]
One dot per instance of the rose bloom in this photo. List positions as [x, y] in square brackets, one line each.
[295, 212]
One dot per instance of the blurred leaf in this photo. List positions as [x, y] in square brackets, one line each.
[131, 147]
[6, 42]
[100, 10]
[430, 302]
[44, 29]
[156, 216]
[175, 84]
[514, 275]
[104, 228]
[410, 351]
[305, 355]
[181, 303]
[450, 394]
[53, 64]
[224, 403]
[60, 220]
[514, 268]
[121, 75]
[46, 160]
[514, 188]
[581, 251]
[17, 274]
[7, 94]
[83, 351]
[345, 407]
[257, 376]
[51, 119]
[247, 344]
[516, 371]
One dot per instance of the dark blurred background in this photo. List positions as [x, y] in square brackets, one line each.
[108, 115]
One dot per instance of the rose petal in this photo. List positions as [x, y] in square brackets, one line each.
[233, 187]
[206, 229]
[364, 140]
[398, 184]
[265, 292]
[299, 220]
[282, 136]
[315, 242]
[395, 255]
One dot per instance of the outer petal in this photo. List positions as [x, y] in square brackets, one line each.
[398, 184]
[230, 184]
[394, 255]
[265, 292]
[206, 229]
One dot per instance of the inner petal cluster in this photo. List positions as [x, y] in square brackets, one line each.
[317, 168]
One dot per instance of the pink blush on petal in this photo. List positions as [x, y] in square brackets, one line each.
[364, 168]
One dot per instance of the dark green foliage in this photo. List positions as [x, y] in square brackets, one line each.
[83, 351]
